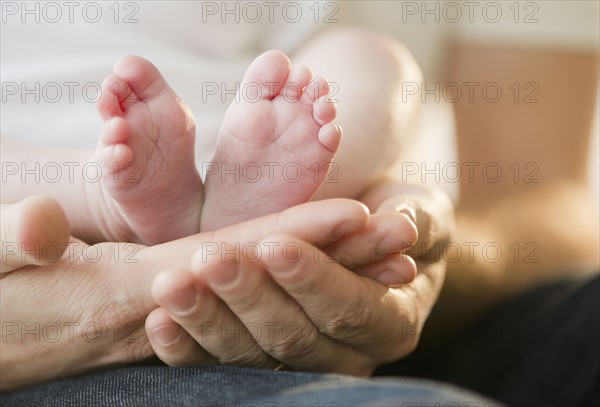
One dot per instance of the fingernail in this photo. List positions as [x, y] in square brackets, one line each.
[183, 301]
[166, 334]
[392, 244]
[390, 278]
[408, 211]
[402, 273]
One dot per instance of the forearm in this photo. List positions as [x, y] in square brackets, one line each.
[543, 234]
[63, 174]
[85, 312]
[504, 246]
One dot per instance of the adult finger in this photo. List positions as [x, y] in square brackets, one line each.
[430, 209]
[209, 322]
[172, 344]
[320, 223]
[393, 270]
[348, 308]
[385, 234]
[277, 323]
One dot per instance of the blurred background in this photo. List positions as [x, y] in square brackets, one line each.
[443, 35]
[542, 56]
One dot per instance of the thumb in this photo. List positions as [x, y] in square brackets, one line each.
[34, 231]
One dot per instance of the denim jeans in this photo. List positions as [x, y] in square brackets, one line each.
[222, 386]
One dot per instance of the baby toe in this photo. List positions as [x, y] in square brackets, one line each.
[324, 110]
[330, 136]
[266, 75]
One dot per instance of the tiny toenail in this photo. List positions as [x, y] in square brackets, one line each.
[183, 301]
[166, 334]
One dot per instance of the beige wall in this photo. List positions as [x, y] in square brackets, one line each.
[562, 24]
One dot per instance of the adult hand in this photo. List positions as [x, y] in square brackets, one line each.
[304, 308]
[30, 232]
[88, 310]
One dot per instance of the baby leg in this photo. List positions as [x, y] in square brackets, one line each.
[367, 72]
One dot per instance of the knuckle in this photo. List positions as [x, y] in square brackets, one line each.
[244, 299]
[295, 342]
[115, 325]
[349, 323]
[346, 255]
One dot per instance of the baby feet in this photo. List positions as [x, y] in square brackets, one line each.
[273, 151]
[275, 145]
[151, 190]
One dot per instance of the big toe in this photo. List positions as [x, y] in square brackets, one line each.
[266, 75]
[141, 75]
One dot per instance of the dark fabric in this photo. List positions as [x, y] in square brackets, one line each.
[540, 349]
[237, 387]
